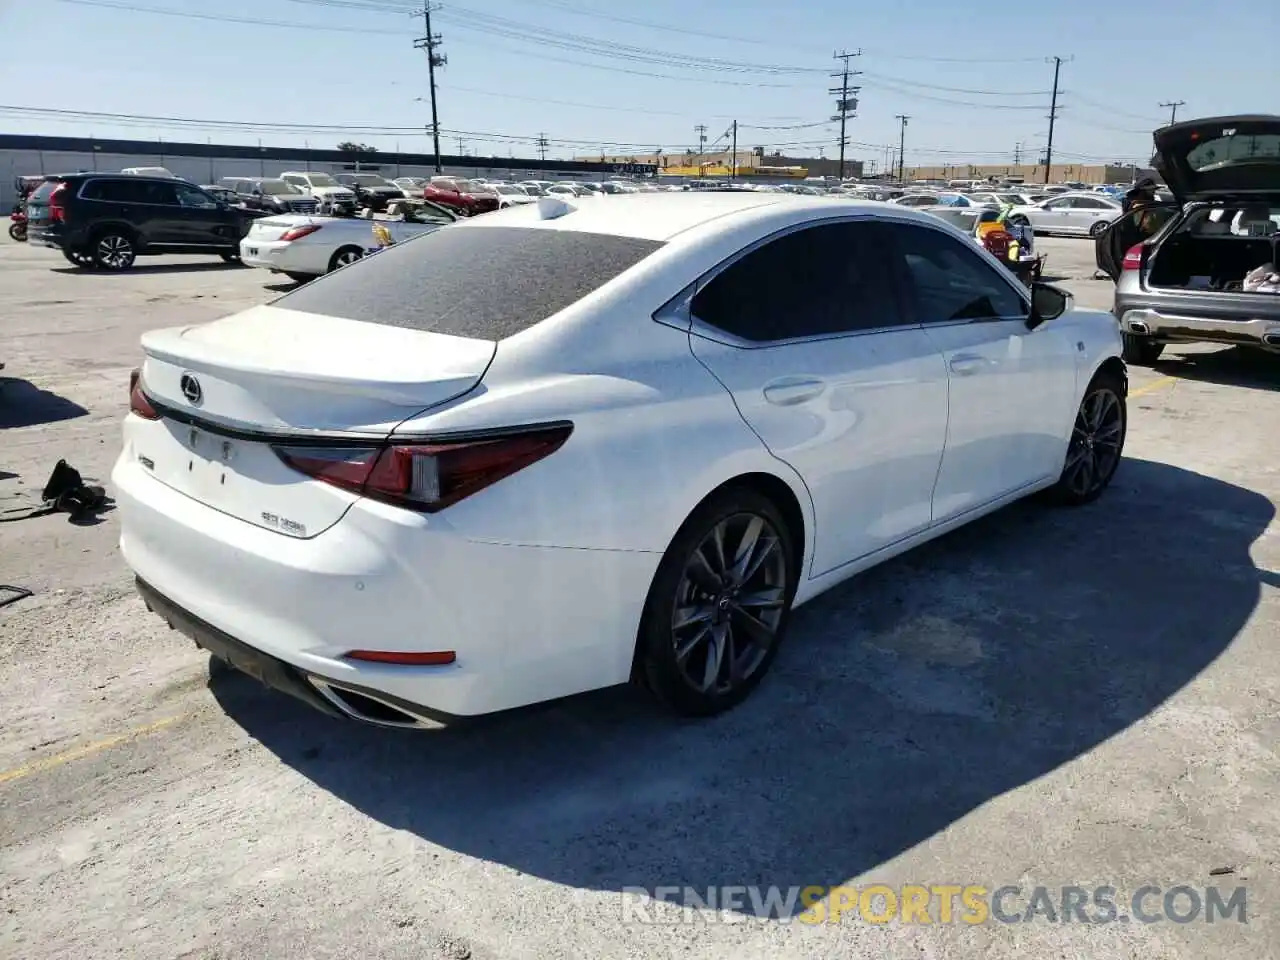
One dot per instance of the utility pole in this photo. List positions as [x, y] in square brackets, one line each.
[847, 100]
[541, 143]
[733, 161]
[431, 43]
[701, 131]
[902, 143]
[1053, 117]
[1017, 154]
[1173, 106]
[461, 147]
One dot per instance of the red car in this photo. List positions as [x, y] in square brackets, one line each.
[461, 195]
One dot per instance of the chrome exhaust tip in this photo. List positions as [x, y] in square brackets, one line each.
[1271, 339]
[1137, 326]
[368, 708]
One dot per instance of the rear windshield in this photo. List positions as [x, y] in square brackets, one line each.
[42, 192]
[488, 283]
[1242, 148]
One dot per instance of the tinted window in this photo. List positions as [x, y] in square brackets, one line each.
[949, 281]
[472, 281]
[191, 197]
[117, 191]
[823, 280]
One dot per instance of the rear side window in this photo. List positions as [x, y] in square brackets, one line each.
[825, 280]
[488, 283]
[116, 191]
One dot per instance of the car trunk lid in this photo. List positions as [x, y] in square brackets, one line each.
[230, 393]
[1220, 157]
[273, 228]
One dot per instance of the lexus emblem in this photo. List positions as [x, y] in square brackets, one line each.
[190, 388]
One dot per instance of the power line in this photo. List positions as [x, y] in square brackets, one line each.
[847, 104]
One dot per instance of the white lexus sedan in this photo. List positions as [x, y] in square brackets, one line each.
[573, 443]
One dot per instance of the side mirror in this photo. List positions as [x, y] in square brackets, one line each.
[1047, 303]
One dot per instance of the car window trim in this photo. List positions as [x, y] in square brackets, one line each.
[678, 311]
[903, 279]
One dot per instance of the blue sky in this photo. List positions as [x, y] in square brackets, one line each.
[590, 75]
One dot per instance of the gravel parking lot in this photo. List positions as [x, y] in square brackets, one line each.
[1044, 698]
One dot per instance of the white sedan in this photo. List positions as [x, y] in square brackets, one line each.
[303, 247]
[1074, 214]
[574, 443]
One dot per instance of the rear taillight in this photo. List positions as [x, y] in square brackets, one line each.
[297, 233]
[57, 212]
[426, 476]
[1133, 257]
[138, 402]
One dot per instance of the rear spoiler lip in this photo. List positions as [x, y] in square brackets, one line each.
[233, 430]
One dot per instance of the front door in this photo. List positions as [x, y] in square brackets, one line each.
[1012, 390]
[807, 332]
[203, 221]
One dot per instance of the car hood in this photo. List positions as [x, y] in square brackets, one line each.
[332, 192]
[1219, 157]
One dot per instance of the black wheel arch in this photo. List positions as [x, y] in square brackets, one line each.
[1115, 367]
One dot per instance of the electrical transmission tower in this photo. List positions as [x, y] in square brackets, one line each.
[542, 143]
[431, 43]
[846, 99]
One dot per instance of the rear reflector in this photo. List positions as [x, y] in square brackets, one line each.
[432, 658]
[426, 476]
[138, 402]
[1133, 257]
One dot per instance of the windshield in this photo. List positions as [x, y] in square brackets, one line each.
[510, 191]
[323, 180]
[275, 188]
[369, 180]
[482, 282]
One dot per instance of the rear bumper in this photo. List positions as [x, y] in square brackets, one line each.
[1146, 320]
[527, 624]
[281, 256]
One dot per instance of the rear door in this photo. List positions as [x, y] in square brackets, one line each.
[807, 332]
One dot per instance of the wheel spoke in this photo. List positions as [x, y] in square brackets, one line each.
[1109, 434]
[687, 616]
[701, 572]
[759, 632]
[769, 598]
[715, 657]
[684, 650]
[746, 547]
[721, 558]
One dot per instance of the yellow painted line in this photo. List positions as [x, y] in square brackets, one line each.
[87, 750]
[1153, 385]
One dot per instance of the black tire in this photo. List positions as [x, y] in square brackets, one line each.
[1141, 351]
[1098, 229]
[113, 250]
[18, 231]
[299, 277]
[343, 256]
[746, 644]
[78, 258]
[1097, 442]
[230, 257]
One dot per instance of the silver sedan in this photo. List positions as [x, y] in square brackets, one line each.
[1074, 214]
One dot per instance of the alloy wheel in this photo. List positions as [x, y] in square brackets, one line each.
[1096, 441]
[346, 257]
[729, 604]
[114, 250]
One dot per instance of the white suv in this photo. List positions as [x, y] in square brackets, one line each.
[333, 196]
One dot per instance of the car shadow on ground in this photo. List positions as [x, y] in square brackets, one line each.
[1232, 366]
[214, 266]
[903, 700]
[23, 404]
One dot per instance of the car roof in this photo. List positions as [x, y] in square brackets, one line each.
[662, 216]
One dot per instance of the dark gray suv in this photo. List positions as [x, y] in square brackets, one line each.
[1202, 268]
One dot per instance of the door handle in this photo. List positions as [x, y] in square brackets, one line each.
[968, 363]
[792, 390]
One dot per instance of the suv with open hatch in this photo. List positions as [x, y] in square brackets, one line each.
[108, 220]
[1203, 268]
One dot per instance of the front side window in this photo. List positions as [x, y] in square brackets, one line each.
[948, 281]
[823, 280]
